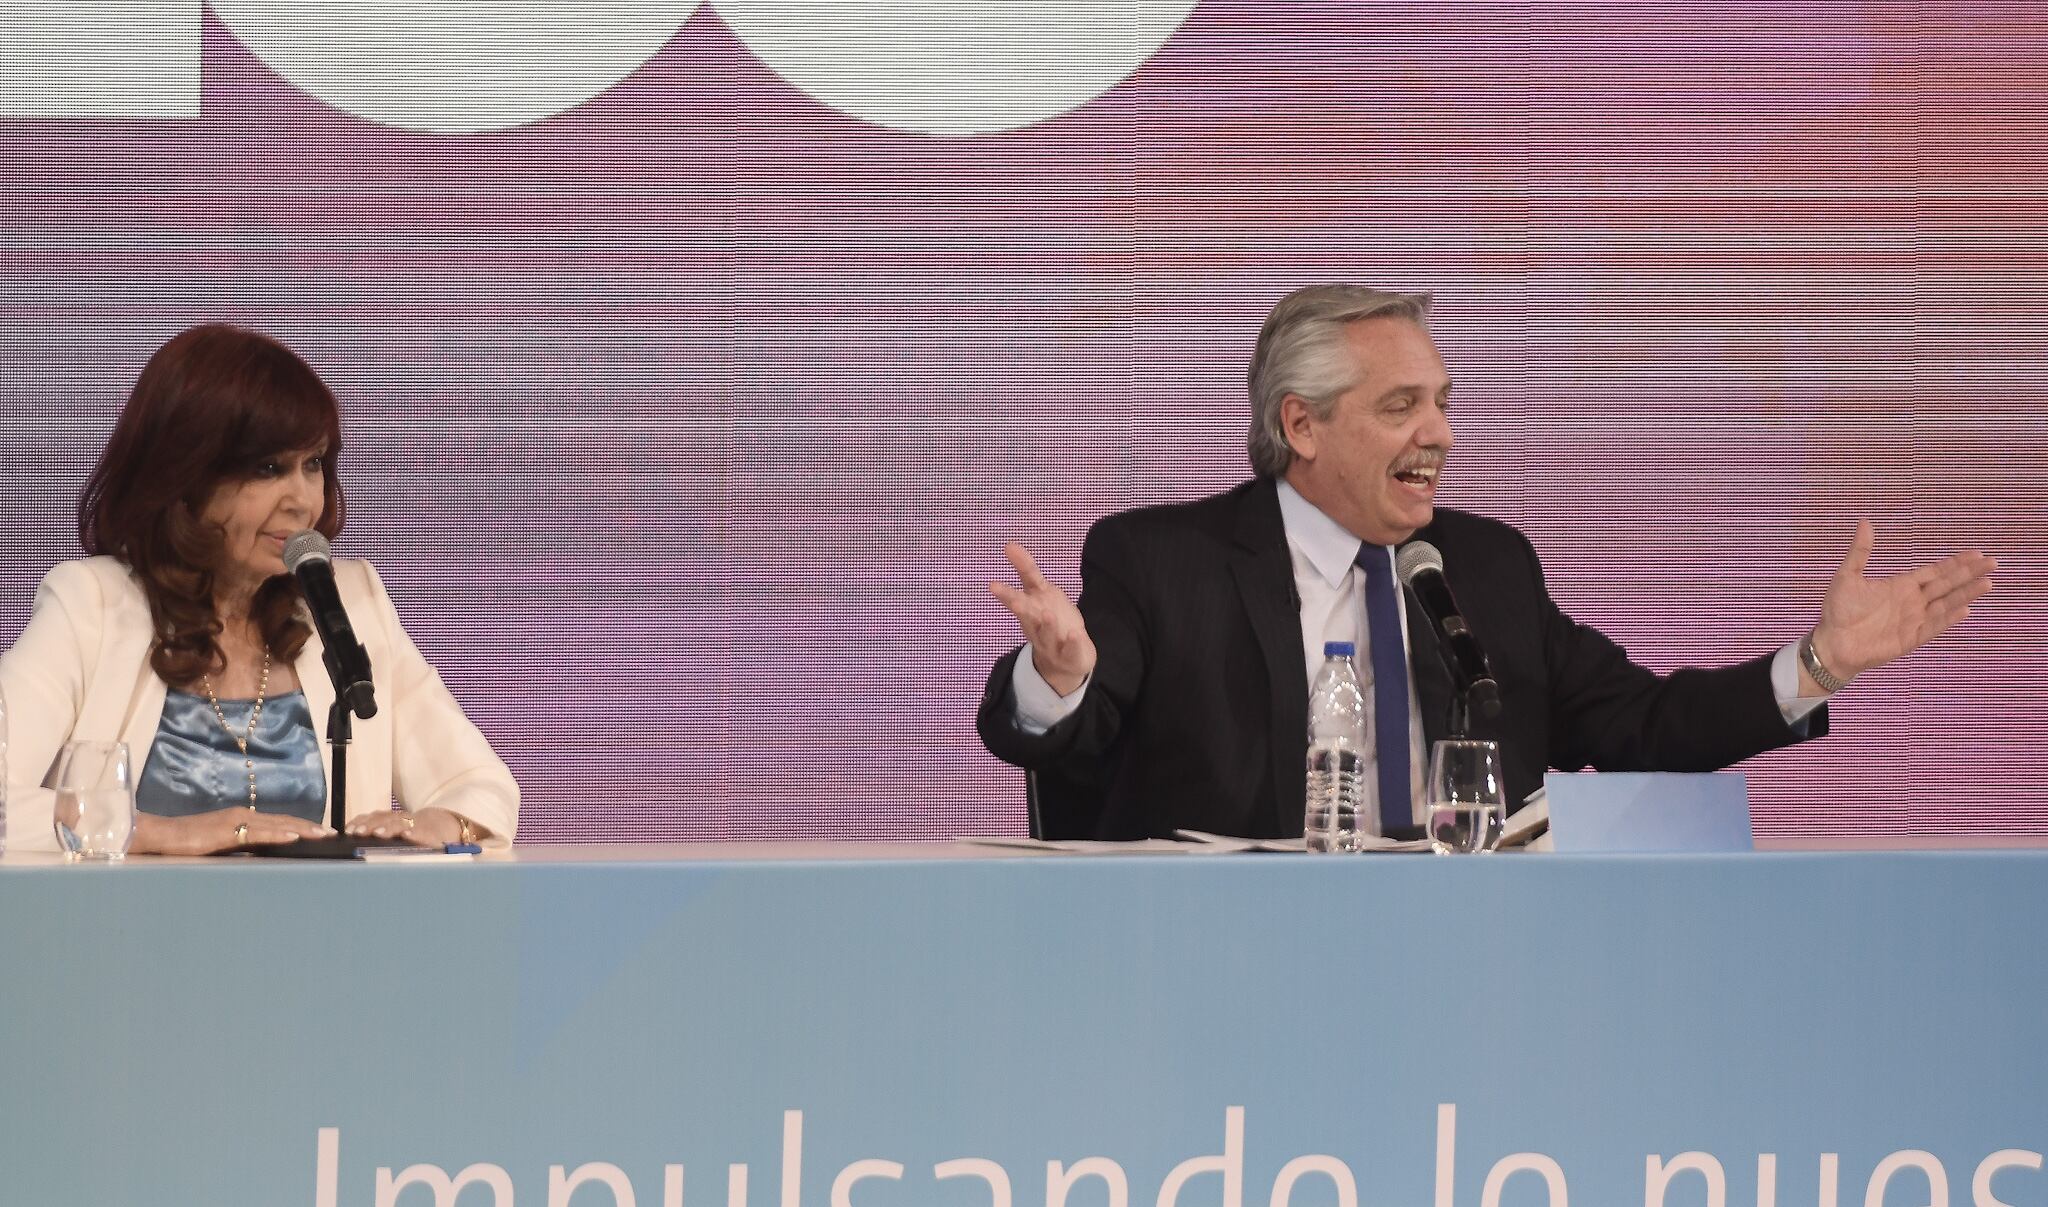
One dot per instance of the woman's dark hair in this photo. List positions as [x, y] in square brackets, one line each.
[211, 406]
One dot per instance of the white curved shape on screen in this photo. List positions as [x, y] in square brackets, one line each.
[114, 58]
[954, 66]
[454, 67]
[927, 66]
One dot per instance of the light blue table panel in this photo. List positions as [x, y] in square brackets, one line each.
[179, 1034]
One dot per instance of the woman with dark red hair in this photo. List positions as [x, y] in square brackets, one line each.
[183, 635]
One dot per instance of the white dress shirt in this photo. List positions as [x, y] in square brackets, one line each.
[1331, 588]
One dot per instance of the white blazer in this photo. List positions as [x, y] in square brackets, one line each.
[81, 672]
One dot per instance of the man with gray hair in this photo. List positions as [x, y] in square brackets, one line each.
[1175, 695]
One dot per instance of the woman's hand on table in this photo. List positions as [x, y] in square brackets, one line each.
[219, 830]
[422, 827]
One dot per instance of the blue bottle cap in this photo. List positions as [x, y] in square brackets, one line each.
[1339, 649]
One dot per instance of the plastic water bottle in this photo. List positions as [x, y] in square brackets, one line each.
[1336, 754]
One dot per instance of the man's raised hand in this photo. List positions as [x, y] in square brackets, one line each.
[1060, 646]
[1867, 622]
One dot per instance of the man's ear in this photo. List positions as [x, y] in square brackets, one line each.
[1299, 424]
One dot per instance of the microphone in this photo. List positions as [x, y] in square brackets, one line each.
[1421, 569]
[348, 663]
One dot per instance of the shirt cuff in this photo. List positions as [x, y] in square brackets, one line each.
[1039, 707]
[1785, 684]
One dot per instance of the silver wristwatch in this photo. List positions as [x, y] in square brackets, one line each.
[1810, 659]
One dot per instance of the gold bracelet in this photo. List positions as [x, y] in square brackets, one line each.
[468, 829]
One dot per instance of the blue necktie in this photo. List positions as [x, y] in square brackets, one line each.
[1389, 685]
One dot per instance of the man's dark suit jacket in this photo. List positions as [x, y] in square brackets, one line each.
[1197, 715]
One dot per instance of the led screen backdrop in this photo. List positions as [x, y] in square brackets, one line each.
[696, 361]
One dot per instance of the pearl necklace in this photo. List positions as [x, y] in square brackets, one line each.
[242, 740]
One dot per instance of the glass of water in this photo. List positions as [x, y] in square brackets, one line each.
[95, 814]
[1468, 801]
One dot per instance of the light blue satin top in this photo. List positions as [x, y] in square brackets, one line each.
[195, 767]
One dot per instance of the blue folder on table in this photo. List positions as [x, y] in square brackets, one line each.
[1644, 811]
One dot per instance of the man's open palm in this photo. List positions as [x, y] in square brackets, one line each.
[1867, 622]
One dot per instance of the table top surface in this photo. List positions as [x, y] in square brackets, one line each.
[845, 851]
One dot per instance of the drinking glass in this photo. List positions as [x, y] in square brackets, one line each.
[95, 815]
[1468, 802]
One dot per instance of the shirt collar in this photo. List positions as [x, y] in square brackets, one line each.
[1317, 537]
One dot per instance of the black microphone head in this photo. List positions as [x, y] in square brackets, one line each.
[362, 700]
[1484, 698]
[1414, 558]
[305, 546]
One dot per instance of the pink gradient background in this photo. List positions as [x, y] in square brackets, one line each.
[687, 426]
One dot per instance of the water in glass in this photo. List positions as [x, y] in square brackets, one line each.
[1458, 827]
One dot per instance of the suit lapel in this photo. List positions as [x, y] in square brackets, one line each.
[118, 706]
[145, 696]
[1265, 581]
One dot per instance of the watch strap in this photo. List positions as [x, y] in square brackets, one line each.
[1810, 659]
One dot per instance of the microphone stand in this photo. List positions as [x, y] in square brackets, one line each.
[340, 731]
[1462, 691]
[1461, 706]
[1461, 713]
